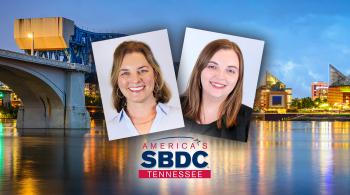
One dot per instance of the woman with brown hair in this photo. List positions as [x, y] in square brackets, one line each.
[139, 92]
[212, 103]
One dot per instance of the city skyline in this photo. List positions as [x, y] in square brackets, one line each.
[301, 40]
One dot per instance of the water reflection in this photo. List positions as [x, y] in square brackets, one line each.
[280, 157]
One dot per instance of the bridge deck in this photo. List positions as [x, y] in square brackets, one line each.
[44, 61]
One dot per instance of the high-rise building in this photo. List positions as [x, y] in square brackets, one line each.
[319, 90]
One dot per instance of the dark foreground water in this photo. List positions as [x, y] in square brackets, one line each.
[280, 158]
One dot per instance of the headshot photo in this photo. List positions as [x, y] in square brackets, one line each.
[138, 85]
[217, 80]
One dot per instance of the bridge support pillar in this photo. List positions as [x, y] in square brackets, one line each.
[76, 115]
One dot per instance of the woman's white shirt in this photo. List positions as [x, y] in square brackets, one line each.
[167, 117]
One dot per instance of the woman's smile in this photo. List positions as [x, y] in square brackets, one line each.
[136, 89]
[217, 85]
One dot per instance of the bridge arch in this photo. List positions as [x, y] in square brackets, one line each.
[41, 102]
[53, 97]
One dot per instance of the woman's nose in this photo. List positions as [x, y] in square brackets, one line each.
[134, 78]
[221, 74]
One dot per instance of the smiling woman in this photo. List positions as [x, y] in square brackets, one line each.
[139, 92]
[212, 103]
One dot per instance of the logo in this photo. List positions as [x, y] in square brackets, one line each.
[175, 157]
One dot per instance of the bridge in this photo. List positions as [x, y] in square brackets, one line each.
[52, 92]
[50, 81]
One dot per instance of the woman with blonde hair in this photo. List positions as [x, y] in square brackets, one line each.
[212, 103]
[139, 92]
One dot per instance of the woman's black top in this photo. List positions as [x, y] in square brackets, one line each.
[237, 132]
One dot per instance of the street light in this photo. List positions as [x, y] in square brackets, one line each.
[31, 36]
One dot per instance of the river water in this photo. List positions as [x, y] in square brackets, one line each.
[282, 157]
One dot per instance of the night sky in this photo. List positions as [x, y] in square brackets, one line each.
[301, 38]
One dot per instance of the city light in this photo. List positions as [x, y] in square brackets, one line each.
[324, 105]
[345, 89]
[30, 35]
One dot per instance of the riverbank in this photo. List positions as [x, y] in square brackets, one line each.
[302, 116]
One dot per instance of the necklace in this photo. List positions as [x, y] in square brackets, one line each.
[143, 127]
[136, 121]
[143, 120]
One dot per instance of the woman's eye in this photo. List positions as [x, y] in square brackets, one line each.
[231, 71]
[143, 70]
[124, 73]
[211, 66]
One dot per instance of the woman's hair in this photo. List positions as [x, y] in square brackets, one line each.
[192, 98]
[161, 92]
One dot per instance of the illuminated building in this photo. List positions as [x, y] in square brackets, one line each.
[7, 97]
[58, 38]
[339, 88]
[319, 90]
[273, 95]
[91, 89]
